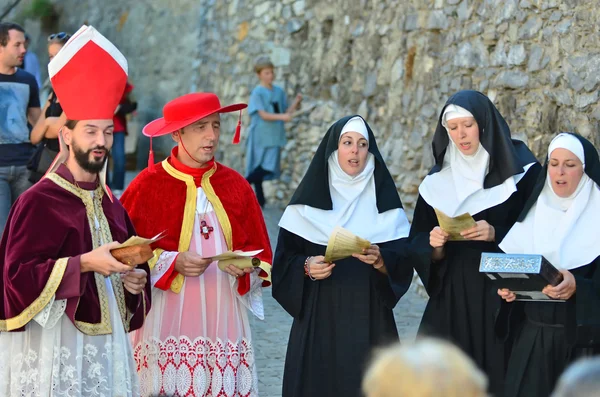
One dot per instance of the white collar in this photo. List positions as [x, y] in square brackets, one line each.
[563, 230]
[354, 208]
[458, 187]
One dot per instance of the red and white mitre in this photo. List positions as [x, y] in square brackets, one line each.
[88, 75]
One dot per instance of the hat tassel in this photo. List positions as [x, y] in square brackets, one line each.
[151, 158]
[238, 130]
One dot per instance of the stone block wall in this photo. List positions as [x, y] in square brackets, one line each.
[394, 62]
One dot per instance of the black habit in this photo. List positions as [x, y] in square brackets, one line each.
[463, 303]
[339, 320]
[550, 335]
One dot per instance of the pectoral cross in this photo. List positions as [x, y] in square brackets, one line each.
[205, 230]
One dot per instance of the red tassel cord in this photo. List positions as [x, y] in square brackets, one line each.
[151, 158]
[238, 130]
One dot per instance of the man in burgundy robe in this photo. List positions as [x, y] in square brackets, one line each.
[66, 304]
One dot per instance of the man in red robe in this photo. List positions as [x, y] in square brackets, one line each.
[66, 304]
[196, 340]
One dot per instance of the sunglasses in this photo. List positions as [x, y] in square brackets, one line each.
[59, 36]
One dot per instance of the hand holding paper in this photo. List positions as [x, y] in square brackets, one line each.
[241, 260]
[342, 244]
[455, 225]
[136, 250]
[482, 231]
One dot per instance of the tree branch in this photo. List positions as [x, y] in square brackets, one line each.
[9, 9]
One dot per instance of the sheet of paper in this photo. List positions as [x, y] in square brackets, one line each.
[136, 240]
[235, 255]
[342, 244]
[453, 226]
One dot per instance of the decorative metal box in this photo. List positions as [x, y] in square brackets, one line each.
[525, 275]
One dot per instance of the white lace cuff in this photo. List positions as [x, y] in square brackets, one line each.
[253, 298]
[51, 313]
[163, 264]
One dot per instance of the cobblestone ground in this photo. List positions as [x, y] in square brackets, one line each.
[270, 336]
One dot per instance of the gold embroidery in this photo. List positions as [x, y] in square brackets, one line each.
[42, 301]
[177, 283]
[115, 278]
[100, 232]
[154, 259]
[189, 212]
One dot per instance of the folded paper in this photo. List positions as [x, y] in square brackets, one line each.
[455, 225]
[343, 243]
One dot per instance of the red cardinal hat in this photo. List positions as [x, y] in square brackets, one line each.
[186, 110]
[88, 75]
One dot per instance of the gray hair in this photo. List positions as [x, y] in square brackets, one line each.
[580, 379]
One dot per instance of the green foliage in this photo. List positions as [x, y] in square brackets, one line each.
[39, 9]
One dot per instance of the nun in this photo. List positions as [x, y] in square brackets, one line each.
[479, 170]
[341, 310]
[560, 221]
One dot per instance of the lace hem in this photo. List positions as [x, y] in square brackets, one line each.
[51, 314]
[95, 369]
[181, 367]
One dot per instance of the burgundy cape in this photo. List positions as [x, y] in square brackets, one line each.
[45, 224]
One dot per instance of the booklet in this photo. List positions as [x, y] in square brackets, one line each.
[136, 250]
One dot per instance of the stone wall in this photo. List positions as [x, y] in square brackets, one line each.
[394, 62]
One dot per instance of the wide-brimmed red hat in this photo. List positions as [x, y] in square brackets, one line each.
[186, 110]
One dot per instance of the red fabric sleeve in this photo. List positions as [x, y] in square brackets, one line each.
[166, 280]
[243, 284]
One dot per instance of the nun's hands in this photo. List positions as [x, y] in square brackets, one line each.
[438, 237]
[482, 231]
[371, 256]
[507, 294]
[319, 269]
[565, 289]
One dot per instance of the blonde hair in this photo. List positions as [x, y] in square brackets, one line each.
[427, 368]
[263, 63]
